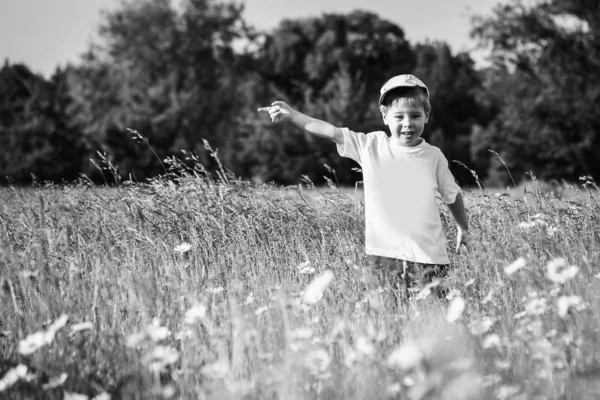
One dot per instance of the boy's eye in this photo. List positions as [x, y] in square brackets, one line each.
[416, 116]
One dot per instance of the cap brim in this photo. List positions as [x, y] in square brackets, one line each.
[382, 96]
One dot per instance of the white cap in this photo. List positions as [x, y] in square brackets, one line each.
[406, 80]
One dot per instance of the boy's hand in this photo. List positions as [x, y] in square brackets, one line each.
[278, 111]
[462, 239]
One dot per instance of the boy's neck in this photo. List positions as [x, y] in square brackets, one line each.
[397, 142]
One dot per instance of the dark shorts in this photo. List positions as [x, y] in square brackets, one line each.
[410, 275]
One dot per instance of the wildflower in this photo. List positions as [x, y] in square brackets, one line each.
[55, 382]
[470, 282]
[559, 271]
[317, 361]
[58, 324]
[407, 356]
[566, 302]
[394, 390]
[250, 299]
[37, 340]
[156, 333]
[535, 220]
[491, 341]
[216, 370]
[515, 266]
[153, 332]
[551, 231]
[536, 306]
[215, 290]
[305, 268]
[33, 342]
[261, 310]
[503, 364]
[168, 391]
[12, 376]
[74, 396]
[197, 312]
[82, 326]
[314, 290]
[526, 225]
[184, 333]
[426, 291]
[555, 291]
[481, 327]
[160, 357]
[183, 248]
[489, 297]
[455, 309]
[365, 346]
[351, 358]
[302, 333]
[29, 274]
[294, 347]
[491, 380]
[409, 381]
[135, 339]
[374, 298]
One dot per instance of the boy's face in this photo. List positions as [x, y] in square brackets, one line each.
[406, 122]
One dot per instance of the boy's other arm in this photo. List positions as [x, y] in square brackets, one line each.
[457, 209]
[280, 111]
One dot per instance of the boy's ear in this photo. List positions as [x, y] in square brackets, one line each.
[426, 117]
[383, 113]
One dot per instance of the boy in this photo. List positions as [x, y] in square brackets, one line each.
[401, 174]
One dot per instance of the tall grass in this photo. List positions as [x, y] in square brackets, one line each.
[193, 286]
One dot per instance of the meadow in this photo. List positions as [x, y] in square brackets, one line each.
[198, 287]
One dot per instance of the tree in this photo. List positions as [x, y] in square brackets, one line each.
[35, 137]
[545, 81]
[307, 53]
[170, 74]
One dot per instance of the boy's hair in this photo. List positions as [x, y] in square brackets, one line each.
[411, 95]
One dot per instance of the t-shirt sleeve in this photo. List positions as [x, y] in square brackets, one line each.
[447, 185]
[353, 146]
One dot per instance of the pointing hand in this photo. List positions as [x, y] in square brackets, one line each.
[278, 111]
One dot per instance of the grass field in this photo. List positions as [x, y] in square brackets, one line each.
[218, 289]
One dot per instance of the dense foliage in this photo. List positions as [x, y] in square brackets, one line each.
[545, 86]
[183, 75]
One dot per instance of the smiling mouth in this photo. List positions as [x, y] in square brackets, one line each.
[407, 133]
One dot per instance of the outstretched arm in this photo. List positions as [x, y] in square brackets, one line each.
[457, 209]
[280, 112]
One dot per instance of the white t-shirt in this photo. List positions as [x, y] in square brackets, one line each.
[402, 219]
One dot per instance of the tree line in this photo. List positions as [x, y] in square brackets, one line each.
[164, 81]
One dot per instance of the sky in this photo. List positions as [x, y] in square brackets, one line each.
[44, 34]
